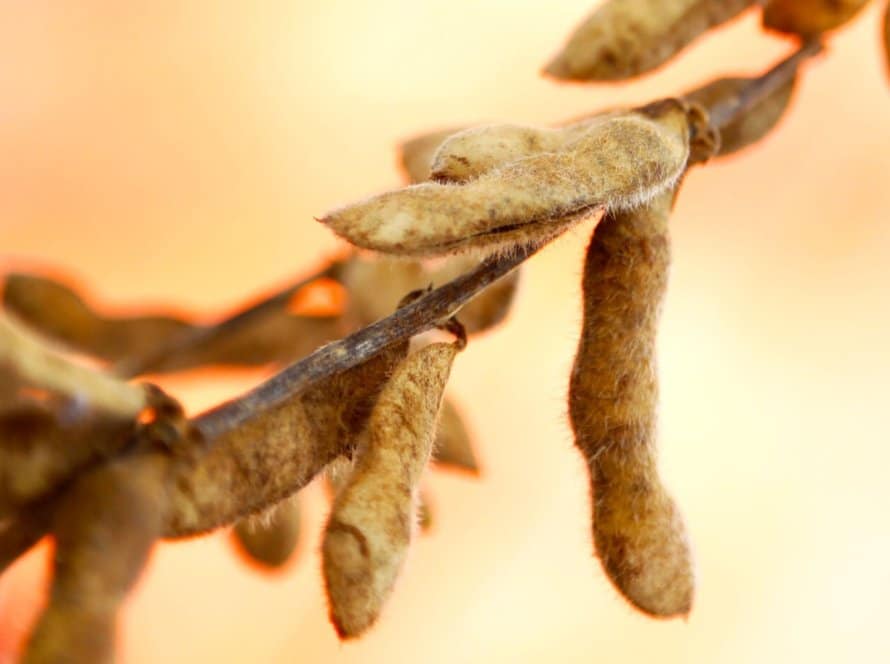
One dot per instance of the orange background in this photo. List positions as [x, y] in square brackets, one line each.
[175, 153]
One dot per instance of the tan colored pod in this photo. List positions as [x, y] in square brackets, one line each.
[39, 365]
[751, 126]
[104, 527]
[809, 17]
[638, 532]
[625, 38]
[617, 163]
[269, 540]
[416, 154]
[369, 530]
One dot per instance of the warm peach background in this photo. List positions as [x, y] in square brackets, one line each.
[175, 152]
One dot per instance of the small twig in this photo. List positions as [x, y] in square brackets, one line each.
[191, 339]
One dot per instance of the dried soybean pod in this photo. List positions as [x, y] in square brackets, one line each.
[617, 163]
[751, 126]
[453, 447]
[416, 153]
[625, 38]
[470, 153]
[269, 540]
[369, 529]
[809, 17]
[38, 365]
[637, 529]
[271, 456]
[54, 309]
[104, 528]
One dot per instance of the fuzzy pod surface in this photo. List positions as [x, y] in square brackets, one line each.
[809, 17]
[104, 527]
[617, 163]
[416, 153]
[370, 527]
[752, 126]
[271, 456]
[625, 38]
[637, 529]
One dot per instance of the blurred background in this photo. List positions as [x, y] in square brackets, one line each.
[170, 153]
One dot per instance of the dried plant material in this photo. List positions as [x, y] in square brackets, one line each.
[104, 527]
[254, 466]
[56, 311]
[620, 162]
[416, 154]
[40, 449]
[453, 446]
[376, 285]
[625, 38]
[809, 17]
[269, 540]
[751, 127]
[38, 365]
[470, 153]
[369, 530]
[638, 532]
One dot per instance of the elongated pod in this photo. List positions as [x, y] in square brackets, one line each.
[369, 530]
[809, 17]
[625, 38]
[617, 163]
[104, 528]
[637, 529]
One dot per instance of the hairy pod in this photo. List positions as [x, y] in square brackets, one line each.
[637, 529]
[104, 528]
[617, 163]
[271, 456]
[369, 530]
[38, 365]
[269, 540]
[809, 17]
[751, 126]
[625, 38]
[472, 152]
